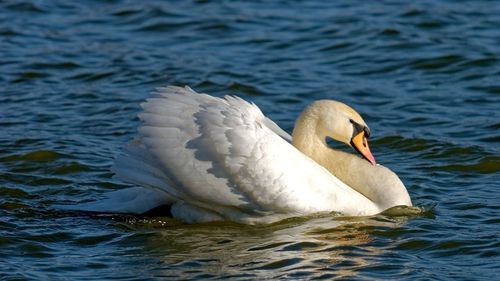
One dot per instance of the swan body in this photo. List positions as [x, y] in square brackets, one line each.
[222, 159]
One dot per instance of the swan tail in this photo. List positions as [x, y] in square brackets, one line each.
[133, 200]
[136, 166]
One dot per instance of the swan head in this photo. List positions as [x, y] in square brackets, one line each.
[340, 122]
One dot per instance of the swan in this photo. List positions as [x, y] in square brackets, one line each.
[214, 159]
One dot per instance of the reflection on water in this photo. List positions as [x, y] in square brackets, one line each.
[318, 246]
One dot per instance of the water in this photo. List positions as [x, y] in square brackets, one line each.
[424, 75]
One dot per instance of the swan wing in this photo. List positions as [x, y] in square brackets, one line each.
[223, 156]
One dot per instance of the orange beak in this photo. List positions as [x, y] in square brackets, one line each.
[360, 143]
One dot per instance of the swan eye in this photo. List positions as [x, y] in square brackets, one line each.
[358, 128]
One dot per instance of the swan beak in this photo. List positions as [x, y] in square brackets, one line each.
[360, 143]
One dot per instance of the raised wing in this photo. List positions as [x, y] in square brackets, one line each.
[225, 157]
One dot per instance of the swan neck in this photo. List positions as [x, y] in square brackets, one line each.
[305, 135]
[308, 138]
[377, 183]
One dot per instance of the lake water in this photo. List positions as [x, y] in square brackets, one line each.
[425, 75]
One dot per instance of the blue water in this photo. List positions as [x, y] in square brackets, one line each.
[425, 75]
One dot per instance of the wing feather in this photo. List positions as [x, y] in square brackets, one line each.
[222, 155]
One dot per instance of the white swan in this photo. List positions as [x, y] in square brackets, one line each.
[222, 159]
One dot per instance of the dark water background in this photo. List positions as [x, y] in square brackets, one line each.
[426, 76]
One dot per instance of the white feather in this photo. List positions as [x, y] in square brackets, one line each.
[217, 159]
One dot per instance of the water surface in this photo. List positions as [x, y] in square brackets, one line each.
[425, 76]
